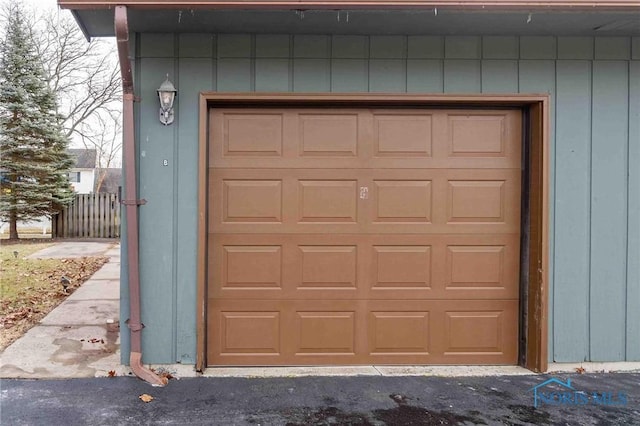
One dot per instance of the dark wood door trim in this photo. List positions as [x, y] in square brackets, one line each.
[537, 105]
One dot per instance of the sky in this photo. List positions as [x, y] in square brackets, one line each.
[41, 4]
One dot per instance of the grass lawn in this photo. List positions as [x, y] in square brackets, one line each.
[31, 288]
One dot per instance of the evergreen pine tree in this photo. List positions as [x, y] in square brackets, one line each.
[34, 162]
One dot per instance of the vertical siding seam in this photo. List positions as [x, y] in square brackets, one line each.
[368, 41]
[518, 63]
[290, 64]
[252, 63]
[552, 171]
[481, 64]
[406, 63]
[588, 342]
[442, 64]
[589, 310]
[214, 63]
[626, 269]
[330, 55]
[174, 230]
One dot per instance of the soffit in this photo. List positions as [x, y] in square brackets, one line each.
[99, 22]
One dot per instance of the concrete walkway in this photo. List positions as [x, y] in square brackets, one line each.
[80, 337]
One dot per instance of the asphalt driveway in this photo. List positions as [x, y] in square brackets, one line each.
[503, 400]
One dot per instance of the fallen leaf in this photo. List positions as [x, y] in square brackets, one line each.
[166, 375]
[580, 370]
[146, 397]
[112, 373]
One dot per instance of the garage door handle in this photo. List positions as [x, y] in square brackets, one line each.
[364, 192]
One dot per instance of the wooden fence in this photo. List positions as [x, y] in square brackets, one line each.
[89, 216]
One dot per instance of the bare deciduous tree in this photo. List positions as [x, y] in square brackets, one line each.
[86, 79]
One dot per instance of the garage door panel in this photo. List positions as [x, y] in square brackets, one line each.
[482, 135]
[476, 201]
[327, 266]
[246, 133]
[321, 201]
[402, 201]
[328, 135]
[322, 332]
[398, 134]
[485, 330]
[252, 200]
[401, 267]
[363, 236]
[404, 333]
[252, 267]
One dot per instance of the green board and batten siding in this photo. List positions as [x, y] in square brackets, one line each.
[594, 159]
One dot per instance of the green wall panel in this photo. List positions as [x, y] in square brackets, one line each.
[633, 245]
[425, 47]
[196, 45]
[311, 75]
[387, 75]
[609, 210]
[272, 46]
[500, 47]
[349, 46]
[499, 76]
[539, 76]
[425, 75]
[611, 48]
[462, 47]
[575, 47]
[272, 75]
[388, 47]
[157, 217]
[234, 45]
[461, 76]
[349, 75]
[234, 75]
[573, 185]
[311, 46]
[538, 47]
[154, 45]
[186, 155]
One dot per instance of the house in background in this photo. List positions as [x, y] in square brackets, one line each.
[380, 182]
[83, 173]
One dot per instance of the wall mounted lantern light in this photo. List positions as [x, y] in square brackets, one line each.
[167, 93]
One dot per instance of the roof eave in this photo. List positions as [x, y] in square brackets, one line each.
[494, 5]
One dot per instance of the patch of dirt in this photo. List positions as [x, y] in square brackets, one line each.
[31, 288]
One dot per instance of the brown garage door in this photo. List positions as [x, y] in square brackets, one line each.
[363, 236]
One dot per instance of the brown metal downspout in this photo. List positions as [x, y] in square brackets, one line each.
[132, 202]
